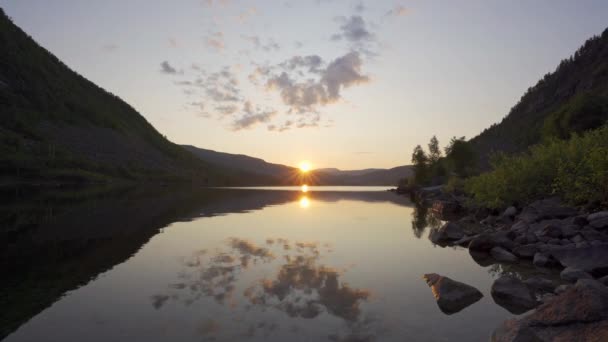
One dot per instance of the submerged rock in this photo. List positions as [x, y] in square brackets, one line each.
[513, 295]
[452, 296]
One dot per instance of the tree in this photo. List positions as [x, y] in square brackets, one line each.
[434, 150]
[421, 165]
[460, 156]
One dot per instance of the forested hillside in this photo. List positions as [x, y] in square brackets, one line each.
[573, 98]
[57, 126]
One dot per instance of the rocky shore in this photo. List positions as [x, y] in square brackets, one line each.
[546, 235]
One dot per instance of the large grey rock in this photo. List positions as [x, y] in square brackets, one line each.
[525, 251]
[448, 232]
[510, 212]
[593, 259]
[513, 295]
[501, 254]
[452, 296]
[541, 260]
[569, 231]
[580, 313]
[486, 241]
[601, 223]
[546, 209]
[552, 231]
[571, 274]
[597, 216]
[540, 284]
[562, 288]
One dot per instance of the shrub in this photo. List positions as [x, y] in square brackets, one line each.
[576, 170]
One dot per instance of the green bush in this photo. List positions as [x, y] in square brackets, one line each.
[575, 169]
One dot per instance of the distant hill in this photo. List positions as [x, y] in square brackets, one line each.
[57, 126]
[573, 98]
[287, 175]
[240, 162]
[387, 177]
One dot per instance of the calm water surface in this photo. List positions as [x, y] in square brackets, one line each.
[344, 264]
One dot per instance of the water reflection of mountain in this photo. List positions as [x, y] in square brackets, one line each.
[54, 242]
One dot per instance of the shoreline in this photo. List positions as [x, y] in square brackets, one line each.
[547, 235]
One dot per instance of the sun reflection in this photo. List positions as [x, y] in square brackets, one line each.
[304, 202]
[304, 188]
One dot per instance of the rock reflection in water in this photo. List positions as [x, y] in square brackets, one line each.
[302, 286]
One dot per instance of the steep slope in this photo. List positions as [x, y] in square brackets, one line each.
[573, 98]
[55, 125]
[241, 162]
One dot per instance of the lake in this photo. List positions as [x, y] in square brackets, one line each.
[263, 264]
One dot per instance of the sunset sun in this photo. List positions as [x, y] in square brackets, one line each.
[305, 166]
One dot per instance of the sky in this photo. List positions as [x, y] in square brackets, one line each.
[346, 84]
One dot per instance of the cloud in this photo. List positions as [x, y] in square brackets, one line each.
[398, 11]
[343, 72]
[166, 68]
[269, 46]
[353, 30]
[311, 62]
[359, 7]
[245, 15]
[215, 41]
[306, 96]
[251, 117]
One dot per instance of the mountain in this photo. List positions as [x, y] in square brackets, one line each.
[387, 177]
[572, 99]
[287, 175]
[56, 126]
[278, 173]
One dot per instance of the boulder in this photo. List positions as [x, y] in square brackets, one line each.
[541, 260]
[592, 259]
[571, 274]
[540, 284]
[525, 251]
[601, 223]
[448, 232]
[579, 313]
[513, 295]
[570, 230]
[486, 241]
[552, 231]
[562, 288]
[510, 212]
[578, 239]
[464, 241]
[580, 221]
[502, 255]
[451, 296]
[597, 216]
[546, 209]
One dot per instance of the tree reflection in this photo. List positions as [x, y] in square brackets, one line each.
[422, 218]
